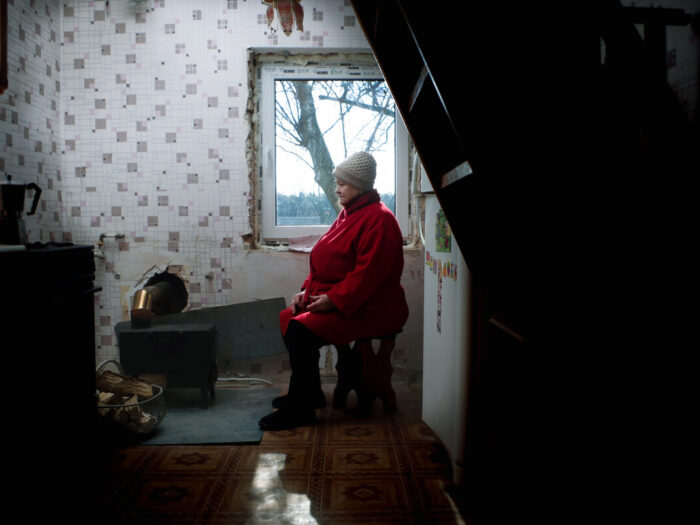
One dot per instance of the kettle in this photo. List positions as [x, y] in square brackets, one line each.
[12, 198]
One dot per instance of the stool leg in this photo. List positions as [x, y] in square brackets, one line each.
[382, 375]
[366, 392]
[376, 376]
[348, 368]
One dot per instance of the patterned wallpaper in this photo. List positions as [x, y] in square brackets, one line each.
[30, 119]
[131, 118]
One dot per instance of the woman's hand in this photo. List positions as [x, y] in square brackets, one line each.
[298, 302]
[320, 303]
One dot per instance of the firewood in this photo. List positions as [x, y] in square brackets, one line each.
[123, 385]
[133, 400]
[109, 398]
[123, 414]
[134, 415]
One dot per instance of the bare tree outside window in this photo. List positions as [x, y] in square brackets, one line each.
[317, 124]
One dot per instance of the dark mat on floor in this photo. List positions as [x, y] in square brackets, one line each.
[232, 417]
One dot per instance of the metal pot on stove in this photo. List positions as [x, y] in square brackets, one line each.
[12, 199]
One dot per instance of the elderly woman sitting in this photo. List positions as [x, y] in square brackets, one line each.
[352, 291]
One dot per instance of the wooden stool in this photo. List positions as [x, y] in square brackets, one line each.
[368, 373]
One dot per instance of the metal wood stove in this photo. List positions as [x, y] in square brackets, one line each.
[184, 353]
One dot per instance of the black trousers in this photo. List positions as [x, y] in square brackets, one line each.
[303, 347]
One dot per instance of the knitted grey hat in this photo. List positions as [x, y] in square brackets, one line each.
[359, 170]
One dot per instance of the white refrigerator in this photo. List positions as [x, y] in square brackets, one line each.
[446, 326]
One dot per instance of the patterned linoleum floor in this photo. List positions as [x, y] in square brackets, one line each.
[343, 470]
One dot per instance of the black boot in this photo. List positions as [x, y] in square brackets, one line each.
[305, 383]
[297, 408]
[310, 384]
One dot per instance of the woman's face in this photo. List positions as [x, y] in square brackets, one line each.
[346, 192]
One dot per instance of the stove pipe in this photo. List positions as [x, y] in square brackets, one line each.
[164, 293]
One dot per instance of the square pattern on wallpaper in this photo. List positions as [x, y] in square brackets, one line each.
[152, 119]
[154, 100]
[30, 123]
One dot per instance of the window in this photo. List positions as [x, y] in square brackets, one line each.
[311, 117]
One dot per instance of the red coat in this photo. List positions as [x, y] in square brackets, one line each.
[358, 263]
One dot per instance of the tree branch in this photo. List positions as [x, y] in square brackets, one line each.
[344, 100]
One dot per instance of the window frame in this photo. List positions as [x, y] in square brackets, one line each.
[267, 74]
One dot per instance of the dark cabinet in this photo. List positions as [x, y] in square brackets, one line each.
[48, 330]
[47, 338]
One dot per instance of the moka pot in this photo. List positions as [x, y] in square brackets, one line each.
[12, 197]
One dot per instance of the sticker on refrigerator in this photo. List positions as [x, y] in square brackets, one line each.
[439, 300]
[438, 266]
[443, 233]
